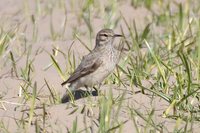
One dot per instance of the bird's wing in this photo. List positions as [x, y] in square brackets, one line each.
[88, 65]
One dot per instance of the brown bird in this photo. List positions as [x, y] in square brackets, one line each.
[98, 64]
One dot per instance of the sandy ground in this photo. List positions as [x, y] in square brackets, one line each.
[59, 118]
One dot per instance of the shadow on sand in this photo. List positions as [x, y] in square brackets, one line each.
[78, 94]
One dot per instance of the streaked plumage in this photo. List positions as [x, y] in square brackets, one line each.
[98, 64]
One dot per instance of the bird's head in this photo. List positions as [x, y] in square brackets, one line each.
[105, 37]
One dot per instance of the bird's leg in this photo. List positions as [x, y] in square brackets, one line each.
[98, 88]
[87, 88]
[99, 85]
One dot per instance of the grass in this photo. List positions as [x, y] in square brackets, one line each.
[161, 66]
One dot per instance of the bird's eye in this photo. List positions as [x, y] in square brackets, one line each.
[105, 35]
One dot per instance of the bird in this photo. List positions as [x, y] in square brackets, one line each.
[97, 65]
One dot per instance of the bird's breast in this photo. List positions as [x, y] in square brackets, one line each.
[109, 60]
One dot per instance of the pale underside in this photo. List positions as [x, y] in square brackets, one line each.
[94, 68]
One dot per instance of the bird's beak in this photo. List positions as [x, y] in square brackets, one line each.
[118, 35]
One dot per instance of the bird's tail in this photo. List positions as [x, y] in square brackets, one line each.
[65, 82]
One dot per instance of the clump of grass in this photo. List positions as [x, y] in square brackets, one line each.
[108, 121]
